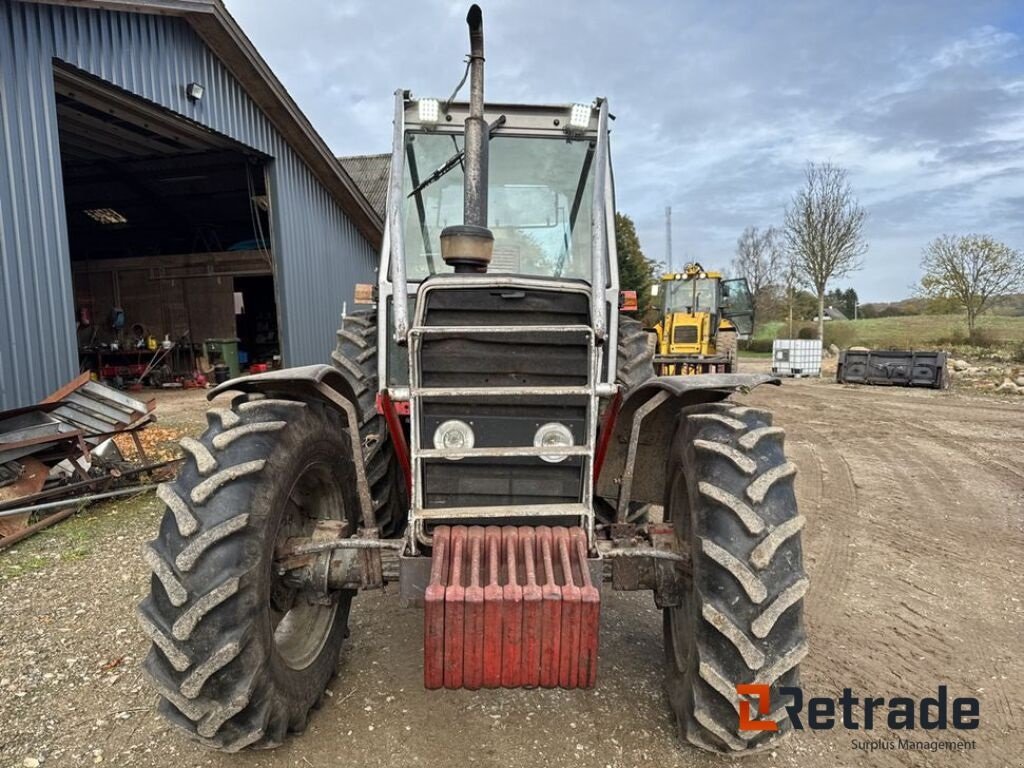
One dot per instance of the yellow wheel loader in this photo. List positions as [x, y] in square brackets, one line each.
[700, 318]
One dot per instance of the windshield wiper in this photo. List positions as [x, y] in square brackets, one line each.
[452, 161]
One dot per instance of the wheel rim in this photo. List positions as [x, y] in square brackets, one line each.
[679, 620]
[300, 626]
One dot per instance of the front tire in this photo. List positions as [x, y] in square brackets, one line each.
[727, 345]
[730, 499]
[239, 658]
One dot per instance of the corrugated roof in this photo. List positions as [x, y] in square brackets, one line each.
[370, 173]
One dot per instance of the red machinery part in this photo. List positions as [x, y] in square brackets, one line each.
[390, 410]
[510, 607]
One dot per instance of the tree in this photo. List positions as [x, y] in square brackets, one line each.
[759, 259]
[973, 270]
[844, 301]
[850, 302]
[824, 230]
[792, 283]
[636, 271]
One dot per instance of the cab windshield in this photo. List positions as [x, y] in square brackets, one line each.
[691, 296]
[539, 200]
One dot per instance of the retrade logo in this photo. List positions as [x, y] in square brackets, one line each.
[900, 713]
[763, 695]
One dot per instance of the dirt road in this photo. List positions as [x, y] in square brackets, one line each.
[915, 507]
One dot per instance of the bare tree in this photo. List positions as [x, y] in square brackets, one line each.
[791, 277]
[759, 259]
[972, 270]
[823, 230]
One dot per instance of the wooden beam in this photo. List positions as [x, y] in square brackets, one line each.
[143, 145]
[67, 389]
[83, 87]
[248, 261]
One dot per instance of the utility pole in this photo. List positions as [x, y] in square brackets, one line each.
[668, 237]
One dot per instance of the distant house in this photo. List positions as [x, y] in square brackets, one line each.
[831, 313]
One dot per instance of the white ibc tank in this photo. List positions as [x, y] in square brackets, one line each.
[796, 357]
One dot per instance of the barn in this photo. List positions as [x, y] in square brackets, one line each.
[161, 194]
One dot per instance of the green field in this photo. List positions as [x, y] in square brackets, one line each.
[908, 332]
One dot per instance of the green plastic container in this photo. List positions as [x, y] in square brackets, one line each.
[223, 351]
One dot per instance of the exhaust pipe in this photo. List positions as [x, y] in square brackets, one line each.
[468, 247]
[475, 201]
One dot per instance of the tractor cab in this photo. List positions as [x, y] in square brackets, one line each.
[499, 352]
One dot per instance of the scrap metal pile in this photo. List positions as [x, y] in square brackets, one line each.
[58, 454]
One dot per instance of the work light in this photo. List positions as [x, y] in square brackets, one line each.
[553, 435]
[429, 111]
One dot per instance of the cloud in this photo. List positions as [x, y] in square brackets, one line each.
[718, 105]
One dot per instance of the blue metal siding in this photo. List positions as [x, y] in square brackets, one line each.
[318, 252]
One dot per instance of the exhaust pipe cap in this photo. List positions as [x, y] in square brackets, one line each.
[467, 247]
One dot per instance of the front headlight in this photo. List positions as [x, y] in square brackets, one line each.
[453, 435]
[553, 435]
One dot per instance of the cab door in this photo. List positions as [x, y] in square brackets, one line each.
[738, 306]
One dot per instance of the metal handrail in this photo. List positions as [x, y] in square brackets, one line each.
[510, 452]
[424, 330]
[396, 235]
[553, 391]
[574, 509]
[599, 227]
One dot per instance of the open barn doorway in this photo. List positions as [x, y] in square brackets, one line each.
[164, 218]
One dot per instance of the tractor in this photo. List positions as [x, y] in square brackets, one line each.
[700, 319]
[489, 436]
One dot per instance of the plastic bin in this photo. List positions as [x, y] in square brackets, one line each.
[224, 351]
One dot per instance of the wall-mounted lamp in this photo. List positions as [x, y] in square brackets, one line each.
[194, 91]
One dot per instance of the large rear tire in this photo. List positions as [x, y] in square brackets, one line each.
[238, 657]
[730, 498]
[634, 360]
[355, 356]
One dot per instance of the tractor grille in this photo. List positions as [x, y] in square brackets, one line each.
[490, 359]
[684, 334]
[505, 361]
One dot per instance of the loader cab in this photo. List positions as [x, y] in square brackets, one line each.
[697, 311]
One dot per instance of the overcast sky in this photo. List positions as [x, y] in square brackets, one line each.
[719, 105]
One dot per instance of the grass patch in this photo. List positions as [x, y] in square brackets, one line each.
[23, 565]
[773, 330]
[912, 332]
[79, 536]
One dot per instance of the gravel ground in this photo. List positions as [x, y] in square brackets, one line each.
[913, 544]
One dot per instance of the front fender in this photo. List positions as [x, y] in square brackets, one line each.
[648, 416]
[316, 381]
